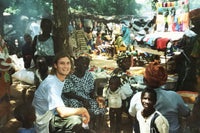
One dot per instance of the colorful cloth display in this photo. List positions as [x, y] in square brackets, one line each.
[172, 16]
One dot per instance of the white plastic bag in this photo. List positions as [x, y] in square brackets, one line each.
[25, 76]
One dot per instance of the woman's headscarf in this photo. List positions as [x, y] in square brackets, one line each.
[155, 75]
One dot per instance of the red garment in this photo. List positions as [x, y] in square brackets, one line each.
[162, 43]
[155, 75]
[5, 65]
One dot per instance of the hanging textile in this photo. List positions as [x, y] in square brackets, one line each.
[172, 16]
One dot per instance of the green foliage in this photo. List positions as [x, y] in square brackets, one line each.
[34, 8]
[105, 7]
[30, 8]
[12, 10]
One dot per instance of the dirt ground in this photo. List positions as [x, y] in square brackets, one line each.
[102, 61]
[16, 98]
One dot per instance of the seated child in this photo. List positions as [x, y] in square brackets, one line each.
[25, 113]
[115, 94]
[148, 120]
[41, 71]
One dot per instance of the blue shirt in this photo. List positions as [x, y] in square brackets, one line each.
[46, 99]
[48, 95]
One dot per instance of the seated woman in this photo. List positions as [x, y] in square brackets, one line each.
[78, 91]
[119, 44]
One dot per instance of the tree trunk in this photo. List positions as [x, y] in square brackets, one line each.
[61, 22]
[1, 22]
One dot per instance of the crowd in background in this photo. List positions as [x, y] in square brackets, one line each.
[64, 99]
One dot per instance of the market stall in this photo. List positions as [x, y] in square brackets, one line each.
[172, 20]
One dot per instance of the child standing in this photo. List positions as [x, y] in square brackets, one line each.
[115, 94]
[27, 50]
[148, 120]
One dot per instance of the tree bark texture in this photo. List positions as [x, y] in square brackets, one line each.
[1, 22]
[61, 22]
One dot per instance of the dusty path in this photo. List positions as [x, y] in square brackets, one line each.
[102, 61]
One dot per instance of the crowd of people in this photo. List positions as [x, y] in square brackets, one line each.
[65, 101]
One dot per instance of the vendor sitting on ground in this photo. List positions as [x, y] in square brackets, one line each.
[119, 44]
[78, 91]
[99, 43]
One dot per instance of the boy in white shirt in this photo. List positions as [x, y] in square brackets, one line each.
[149, 120]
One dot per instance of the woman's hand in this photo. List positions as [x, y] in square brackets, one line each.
[85, 116]
[101, 102]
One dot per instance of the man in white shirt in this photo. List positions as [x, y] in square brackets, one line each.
[49, 105]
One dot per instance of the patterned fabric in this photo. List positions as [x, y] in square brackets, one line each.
[125, 77]
[122, 56]
[81, 87]
[5, 60]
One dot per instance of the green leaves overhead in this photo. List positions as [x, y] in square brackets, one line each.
[106, 7]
